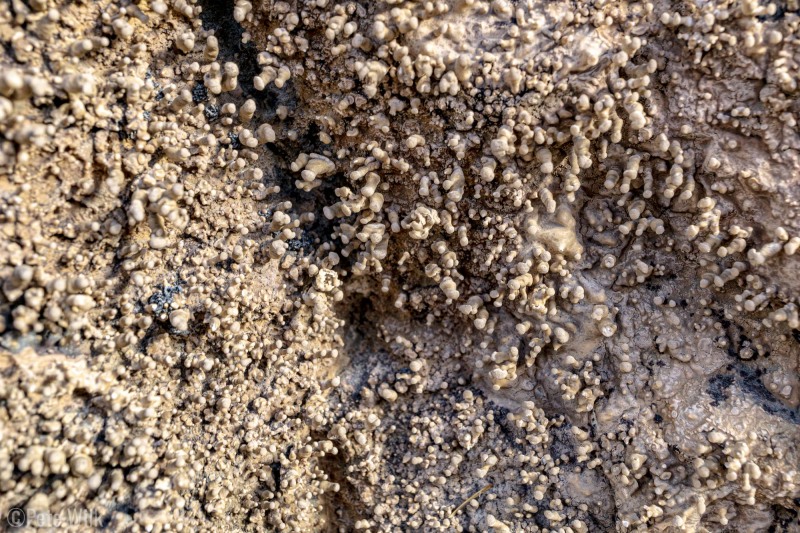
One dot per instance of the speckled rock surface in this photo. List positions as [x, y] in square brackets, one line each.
[463, 265]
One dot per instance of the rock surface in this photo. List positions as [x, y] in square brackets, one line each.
[399, 265]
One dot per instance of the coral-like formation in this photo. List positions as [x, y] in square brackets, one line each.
[401, 265]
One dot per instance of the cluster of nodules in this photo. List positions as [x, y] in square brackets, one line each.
[491, 191]
[61, 455]
[518, 171]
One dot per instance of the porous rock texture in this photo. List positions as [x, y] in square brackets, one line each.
[401, 265]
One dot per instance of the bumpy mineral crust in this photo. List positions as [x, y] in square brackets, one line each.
[401, 265]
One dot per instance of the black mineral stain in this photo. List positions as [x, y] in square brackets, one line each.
[748, 381]
[161, 299]
[211, 112]
[199, 93]
[305, 243]
[235, 144]
[718, 388]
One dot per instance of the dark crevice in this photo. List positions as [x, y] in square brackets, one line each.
[341, 509]
[217, 16]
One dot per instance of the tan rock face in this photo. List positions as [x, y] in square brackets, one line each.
[464, 265]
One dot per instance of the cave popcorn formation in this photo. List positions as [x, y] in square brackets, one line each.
[401, 265]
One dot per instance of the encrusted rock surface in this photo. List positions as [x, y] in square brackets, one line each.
[401, 265]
